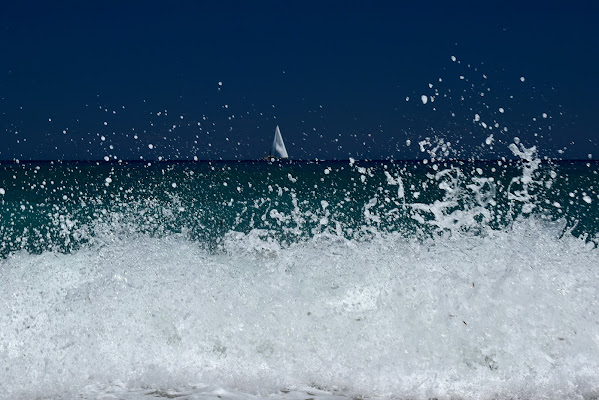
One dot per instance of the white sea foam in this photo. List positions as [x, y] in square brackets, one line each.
[464, 311]
[504, 314]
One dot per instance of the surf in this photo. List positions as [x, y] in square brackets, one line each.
[441, 279]
[509, 314]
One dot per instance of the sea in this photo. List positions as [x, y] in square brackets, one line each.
[432, 279]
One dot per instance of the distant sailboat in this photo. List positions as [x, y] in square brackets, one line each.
[278, 150]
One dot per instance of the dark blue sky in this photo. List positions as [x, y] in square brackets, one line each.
[79, 78]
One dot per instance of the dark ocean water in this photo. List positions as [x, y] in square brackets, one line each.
[375, 279]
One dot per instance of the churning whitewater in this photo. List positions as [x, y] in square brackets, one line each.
[445, 279]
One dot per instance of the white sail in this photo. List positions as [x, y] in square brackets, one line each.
[278, 149]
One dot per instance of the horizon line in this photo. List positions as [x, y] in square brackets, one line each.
[186, 160]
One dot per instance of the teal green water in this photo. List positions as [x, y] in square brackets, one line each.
[63, 206]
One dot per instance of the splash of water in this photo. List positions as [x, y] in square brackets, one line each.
[507, 314]
[466, 289]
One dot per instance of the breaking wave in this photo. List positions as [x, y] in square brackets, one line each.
[446, 280]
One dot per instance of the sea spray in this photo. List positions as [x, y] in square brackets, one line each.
[409, 197]
[375, 279]
[530, 164]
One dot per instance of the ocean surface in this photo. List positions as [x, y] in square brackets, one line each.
[296, 280]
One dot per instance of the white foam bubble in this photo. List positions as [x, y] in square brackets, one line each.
[509, 314]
